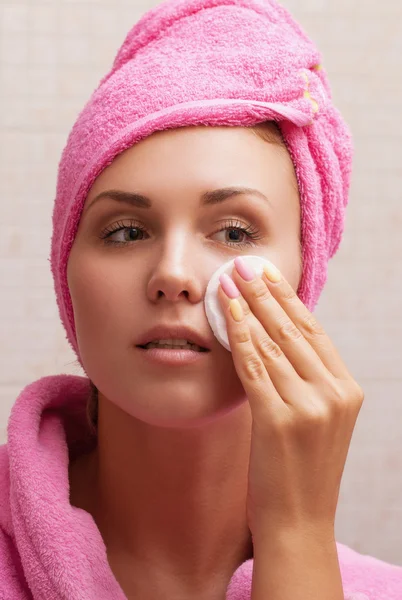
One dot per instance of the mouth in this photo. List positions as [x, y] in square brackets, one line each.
[173, 337]
[171, 346]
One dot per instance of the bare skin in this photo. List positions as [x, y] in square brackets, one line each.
[167, 482]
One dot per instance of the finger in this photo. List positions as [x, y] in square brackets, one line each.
[306, 323]
[281, 328]
[309, 326]
[257, 381]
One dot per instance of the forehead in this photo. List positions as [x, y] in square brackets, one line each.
[198, 159]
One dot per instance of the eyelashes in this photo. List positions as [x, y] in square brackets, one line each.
[251, 232]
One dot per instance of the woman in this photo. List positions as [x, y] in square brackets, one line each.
[217, 476]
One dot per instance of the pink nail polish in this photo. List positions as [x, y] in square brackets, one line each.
[244, 270]
[229, 286]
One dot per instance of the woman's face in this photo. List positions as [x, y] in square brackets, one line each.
[159, 265]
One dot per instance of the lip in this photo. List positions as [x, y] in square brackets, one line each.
[167, 357]
[166, 332]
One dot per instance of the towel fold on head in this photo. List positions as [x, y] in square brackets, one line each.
[214, 63]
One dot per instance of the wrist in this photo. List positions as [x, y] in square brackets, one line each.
[311, 534]
[307, 556]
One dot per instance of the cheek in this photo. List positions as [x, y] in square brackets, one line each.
[294, 269]
[100, 295]
[286, 255]
[296, 273]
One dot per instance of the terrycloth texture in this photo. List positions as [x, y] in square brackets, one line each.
[50, 550]
[213, 62]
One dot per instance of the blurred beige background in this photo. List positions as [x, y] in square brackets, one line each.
[52, 56]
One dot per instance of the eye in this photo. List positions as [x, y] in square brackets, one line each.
[132, 232]
[239, 230]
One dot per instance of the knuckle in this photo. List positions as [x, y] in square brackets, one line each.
[358, 394]
[261, 293]
[289, 294]
[336, 394]
[245, 307]
[253, 367]
[312, 326]
[346, 396]
[242, 336]
[288, 329]
[268, 348]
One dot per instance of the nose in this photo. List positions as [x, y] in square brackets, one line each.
[175, 276]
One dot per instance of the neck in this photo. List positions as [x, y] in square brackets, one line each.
[172, 501]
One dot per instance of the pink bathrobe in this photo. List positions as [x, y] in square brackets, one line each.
[50, 550]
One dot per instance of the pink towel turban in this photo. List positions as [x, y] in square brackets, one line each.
[213, 62]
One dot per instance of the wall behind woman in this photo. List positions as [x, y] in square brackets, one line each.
[52, 56]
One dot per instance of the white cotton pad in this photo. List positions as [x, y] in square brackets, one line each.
[212, 304]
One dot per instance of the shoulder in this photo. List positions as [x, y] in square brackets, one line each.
[368, 578]
[12, 581]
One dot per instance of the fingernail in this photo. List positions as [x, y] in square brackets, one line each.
[272, 272]
[236, 310]
[229, 286]
[244, 270]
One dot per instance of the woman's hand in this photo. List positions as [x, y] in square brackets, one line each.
[304, 406]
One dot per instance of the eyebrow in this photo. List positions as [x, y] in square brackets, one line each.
[207, 199]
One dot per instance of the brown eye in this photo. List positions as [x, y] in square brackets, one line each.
[130, 233]
[236, 230]
[239, 235]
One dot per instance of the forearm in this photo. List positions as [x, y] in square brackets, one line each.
[296, 566]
